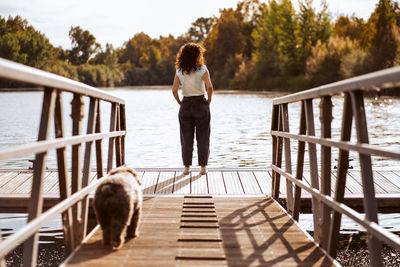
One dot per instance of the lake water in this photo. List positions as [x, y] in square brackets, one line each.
[240, 127]
[239, 136]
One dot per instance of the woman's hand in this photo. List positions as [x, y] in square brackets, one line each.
[175, 87]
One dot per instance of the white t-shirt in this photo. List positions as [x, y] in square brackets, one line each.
[192, 84]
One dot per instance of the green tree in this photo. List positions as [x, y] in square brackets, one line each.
[84, 45]
[275, 40]
[385, 41]
[107, 57]
[312, 27]
[22, 43]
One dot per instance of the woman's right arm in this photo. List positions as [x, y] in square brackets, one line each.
[175, 87]
[209, 86]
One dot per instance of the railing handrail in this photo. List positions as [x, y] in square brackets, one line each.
[43, 146]
[19, 72]
[73, 208]
[327, 210]
[379, 78]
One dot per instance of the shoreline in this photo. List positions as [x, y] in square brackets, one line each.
[382, 93]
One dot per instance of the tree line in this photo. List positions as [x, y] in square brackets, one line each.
[255, 46]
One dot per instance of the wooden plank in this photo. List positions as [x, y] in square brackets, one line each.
[354, 177]
[216, 183]
[17, 181]
[384, 180]
[5, 177]
[264, 181]
[199, 184]
[165, 183]
[149, 182]
[232, 183]
[393, 178]
[353, 182]
[50, 180]
[182, 184]
[249, 182]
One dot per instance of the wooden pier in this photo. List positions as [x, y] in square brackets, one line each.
[15, 186]
[208, 231]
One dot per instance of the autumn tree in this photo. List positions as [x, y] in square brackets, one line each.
[229, 41]
[84, 45]
[352, 27]
[200, 29]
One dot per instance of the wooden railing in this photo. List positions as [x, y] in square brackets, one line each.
[328, 210]
[74, 190]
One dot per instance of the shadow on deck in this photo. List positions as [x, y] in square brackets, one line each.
[204, 231]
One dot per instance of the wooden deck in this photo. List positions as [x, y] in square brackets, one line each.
[208, 231]
[15, 185]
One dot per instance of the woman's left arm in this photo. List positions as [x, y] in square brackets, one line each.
[175, 87]
[209, 86]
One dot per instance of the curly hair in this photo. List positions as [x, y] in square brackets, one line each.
[190, 57]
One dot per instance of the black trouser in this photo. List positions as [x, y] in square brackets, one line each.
[194, 116]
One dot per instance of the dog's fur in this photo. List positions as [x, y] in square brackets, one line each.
[118, 204]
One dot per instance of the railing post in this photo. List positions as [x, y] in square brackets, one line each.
[343, 165]
[76, 115]
[300, 163]
[91, 125]
[288, 159]
[39, 167]
[123, 128]
[118, 156]
[370, 204]
[99, 150]
[276, 124]
[63, 174]
[312, 152]
[326, 167]
[111, 140]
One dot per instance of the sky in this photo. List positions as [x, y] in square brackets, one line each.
[116, 21]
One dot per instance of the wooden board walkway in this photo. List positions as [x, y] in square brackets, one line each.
[208, 231]
[15, 185]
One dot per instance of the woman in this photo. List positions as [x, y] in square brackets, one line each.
[194, 114]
